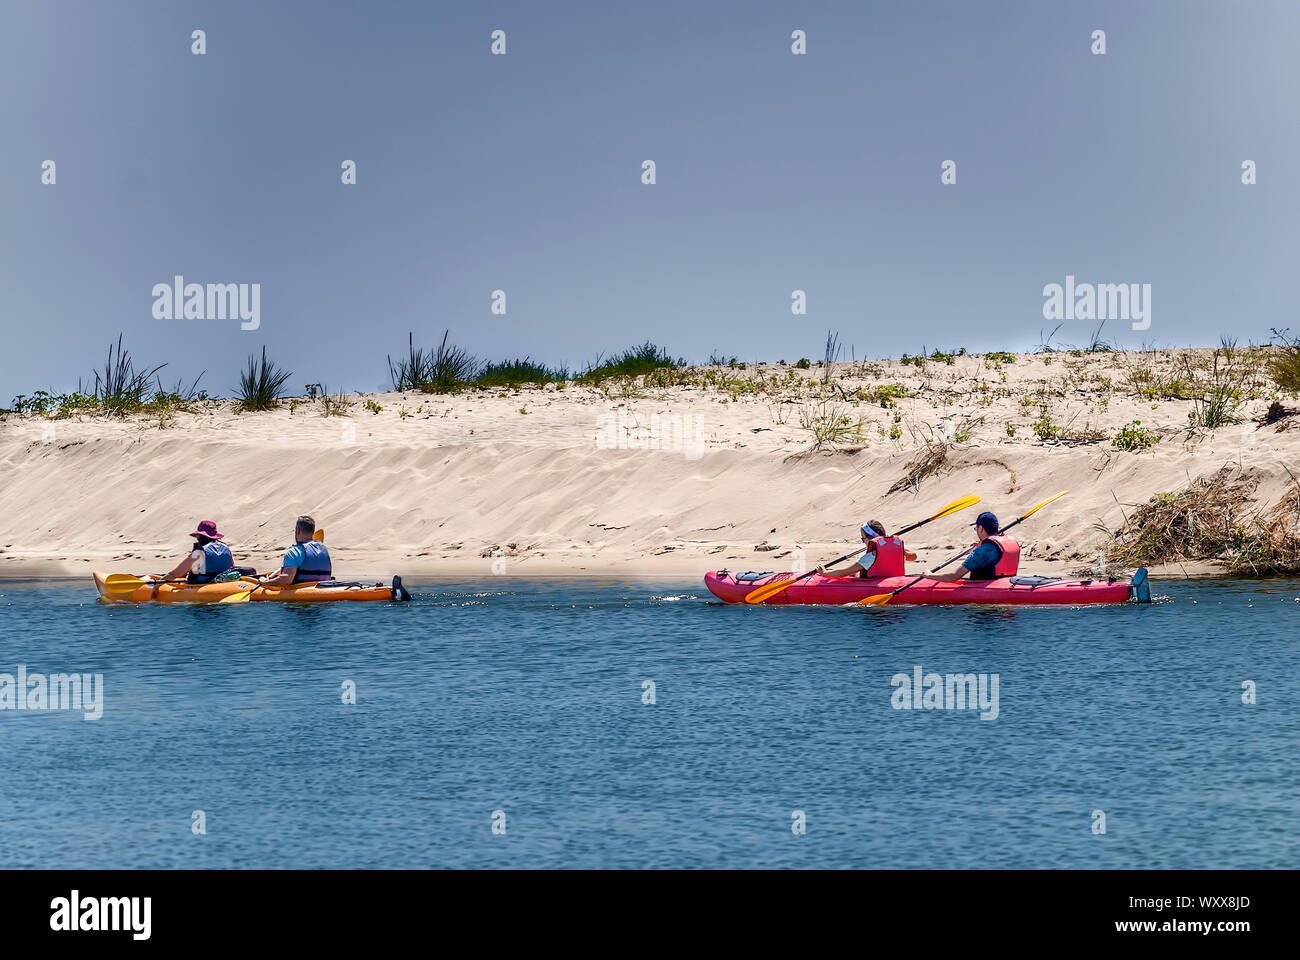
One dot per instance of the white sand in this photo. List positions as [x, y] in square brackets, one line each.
[439, 491]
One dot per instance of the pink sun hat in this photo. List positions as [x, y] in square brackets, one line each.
[207, 529]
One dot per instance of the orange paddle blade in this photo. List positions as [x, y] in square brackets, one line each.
[879, 600]
[768, 590]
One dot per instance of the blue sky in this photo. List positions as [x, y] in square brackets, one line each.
[523, 173]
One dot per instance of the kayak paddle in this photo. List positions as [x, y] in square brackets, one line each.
[125, 584]
[772, 589]
[880, 599]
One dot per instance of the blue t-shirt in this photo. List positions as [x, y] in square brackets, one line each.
[296, 556]
[867, 560]
[987, 554]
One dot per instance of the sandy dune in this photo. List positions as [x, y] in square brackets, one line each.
[545, 481]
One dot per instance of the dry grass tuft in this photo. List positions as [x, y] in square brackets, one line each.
[1214, 518]
[932, 460]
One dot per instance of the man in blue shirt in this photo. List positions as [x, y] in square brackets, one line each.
[306, 561]
[980, 562]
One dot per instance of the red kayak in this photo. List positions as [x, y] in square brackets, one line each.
[1019, 590]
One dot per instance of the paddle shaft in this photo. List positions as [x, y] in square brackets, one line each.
[805, 576]
[850, 556]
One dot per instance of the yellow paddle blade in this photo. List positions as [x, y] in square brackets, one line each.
[956, 505]
[319, 535]
[1043, 504]
[879, 600]
[239, 597]
[123, 583]
[768, 590]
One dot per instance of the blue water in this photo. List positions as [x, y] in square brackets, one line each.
[527, 698]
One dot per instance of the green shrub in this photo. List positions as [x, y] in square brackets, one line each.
[885, 394]
[1135, 437]
[1045, 429]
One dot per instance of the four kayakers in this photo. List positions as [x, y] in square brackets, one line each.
[885, 555]
[996, 555]
[306, 561]
[209, 558]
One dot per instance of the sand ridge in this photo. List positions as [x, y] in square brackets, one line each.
[654, 479]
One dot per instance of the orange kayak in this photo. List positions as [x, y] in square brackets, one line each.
[213, 592]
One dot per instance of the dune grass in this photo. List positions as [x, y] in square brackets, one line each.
[120, 388]
[516, 373]
[262, 385]
[444, 370]
[1284, 364]
[632, 362]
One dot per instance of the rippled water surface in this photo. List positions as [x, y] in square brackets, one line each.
[528, 698]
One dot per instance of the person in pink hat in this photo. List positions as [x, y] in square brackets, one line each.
[209, 558]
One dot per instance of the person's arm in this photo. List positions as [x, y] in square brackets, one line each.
[861, 565]
[910, 556]
[182, 568]
[949, 577]
[979, 557]
[281, 578]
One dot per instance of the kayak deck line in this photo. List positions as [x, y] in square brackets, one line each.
[318, 592]
[1020, 590]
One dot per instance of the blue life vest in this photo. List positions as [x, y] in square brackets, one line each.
[315, 562]
[216, 560]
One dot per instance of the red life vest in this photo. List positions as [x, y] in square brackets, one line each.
[1008, 564]
[891, 558]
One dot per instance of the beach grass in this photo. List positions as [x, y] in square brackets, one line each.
[516, 373]
[1284, 363]
[261, 386]
[632, 362]
[119, 389]
[445, 370]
